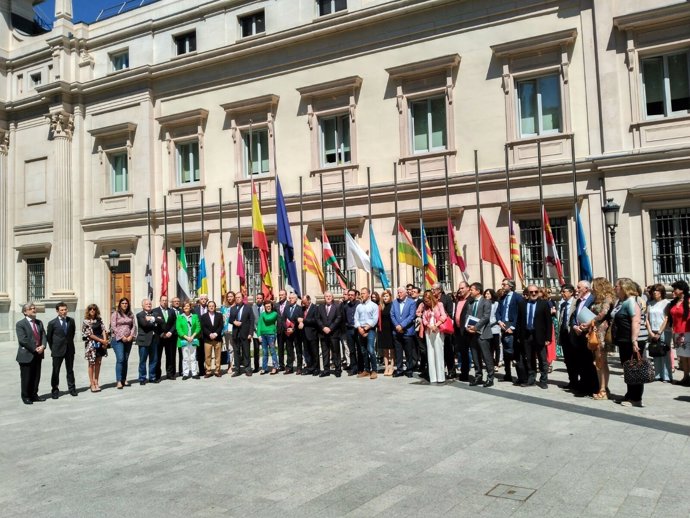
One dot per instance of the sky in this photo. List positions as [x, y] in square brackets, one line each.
[84, 10]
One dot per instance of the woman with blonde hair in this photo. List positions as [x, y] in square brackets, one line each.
[625, 331]
[604, 296]
[386, 333]
[433, 315]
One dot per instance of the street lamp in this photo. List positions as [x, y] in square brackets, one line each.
[113, 263]
[611, 212]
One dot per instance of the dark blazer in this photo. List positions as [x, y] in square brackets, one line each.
[311, 323]
[246, 321]
[332, 321]
[588, 303]
[280, 322]
[483, 314]
[146, 331]
[296, 313]
[61, 343]
[163, 326]
[207, 328]
[515, 301]
[27, 343]
[543, 325]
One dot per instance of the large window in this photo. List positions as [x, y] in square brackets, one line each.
[185, 43]
[187, 162]
[256, 162]
[252, 24]
[670, 244]
[252, 268]
[325, 7]
[666, 85]
[338, 246]
[191, 254]
[532, 249]
[428, 123]
[438, 242]
[119, 60]
[539, 106]
[335, 140]
[119, 179]
[35, 279]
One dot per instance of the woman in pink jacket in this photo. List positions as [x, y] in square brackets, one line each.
[433, 316]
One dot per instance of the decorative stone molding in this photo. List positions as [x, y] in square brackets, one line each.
[126, 130]
[62, 125]
[242, 113]
[4, 142]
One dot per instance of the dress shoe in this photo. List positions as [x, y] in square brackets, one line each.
[38, 399]
[316, 373]
[463, 377]
[324, 374]
[397, 374]
[171, 378]
[363, 374]
[248, 373]
[218, 374]
[142, 382]
[351, 373]
[507, 378]
[373, 376]
[408, 374]
[156, 380]
[338, 374]
[196, 377]
[255, 371]
[542, 385]
[488, 383]
[235, 374]
[305, 372]
[73, 392]
[185, 377]
[55, 395]
[475, 382]
[262, 372]
[287, 371]
[298, 372]
[27, 401]
[207, 375]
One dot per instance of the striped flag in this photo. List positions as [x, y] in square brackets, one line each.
[312, 264]
[182, 277]
[554, 267]
[407, 252]
[260, 242]
[202, 278]
[165, 276]
[329, 258]
[223, 276]
[430, 274]
[455, 252]
[240, 268]
[515, 252]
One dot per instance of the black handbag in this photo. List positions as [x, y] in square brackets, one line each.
[638, 370]
[657, 348]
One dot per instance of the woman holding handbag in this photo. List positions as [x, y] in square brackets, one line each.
[626, 328]
[95, 343]
[679, 313]
[659, 336]
[433, 318]
[603, 293]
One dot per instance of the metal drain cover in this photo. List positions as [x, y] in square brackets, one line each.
[511, 492]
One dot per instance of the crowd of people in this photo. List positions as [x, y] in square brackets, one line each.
[433, 334]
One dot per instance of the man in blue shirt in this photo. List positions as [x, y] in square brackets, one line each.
[507, 318]
[403, 313]
[366, 319]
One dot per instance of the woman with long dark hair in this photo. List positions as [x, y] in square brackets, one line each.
[625, 330]
[95, 343]
[679, 313]
[123, 328]
[386, 333]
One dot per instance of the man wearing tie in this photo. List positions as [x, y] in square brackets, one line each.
[32, 343]
[403, 314]
[147, 341]
[201, 309]
[329, 317]
[479, 308]
[242, 320]
[281, 337]
[462, 337]
[508, 321]
[308, 325]
[60, 335]
[167, 340]
[536, 335]
[565, 315]
[293, 336]
[589, 383]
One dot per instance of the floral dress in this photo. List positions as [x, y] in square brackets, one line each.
[601, 310]
[92, 349]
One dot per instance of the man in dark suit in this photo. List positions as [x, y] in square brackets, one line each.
[589, 383]
[329, 319]
[242, 318]
[167, 338]
[293, 335]
[200, 309]
[462, 337]
[507, 318]
[448, 349]
[147, 341]
[403, 315]
[348, 308]
[212, 333]
[477, 326]
[281, 337]
[309, 326]
[32, 343]
[566, 310]
[60, 335]
[537, 330]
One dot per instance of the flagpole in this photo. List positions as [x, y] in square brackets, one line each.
[239, 238]
[371, 269]
[421, 220]
[342, 183]
[251, 175]
[479, 215]
[148, 224]
[397, 234]
[545, 274]
[322, 220]
[220, 225]
[451, 270]
[576, 266]
[301, 235]
[510, 213]
[201, 240]
[182, 225]
[165, 236]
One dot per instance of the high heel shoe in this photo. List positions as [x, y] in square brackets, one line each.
[600, 396]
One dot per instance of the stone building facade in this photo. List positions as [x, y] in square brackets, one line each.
[171, 102]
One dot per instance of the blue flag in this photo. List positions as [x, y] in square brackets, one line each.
[376, 261]
[285, 239]
[582, 255]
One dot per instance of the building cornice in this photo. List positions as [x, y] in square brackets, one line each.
[668, 15]
[535, 44]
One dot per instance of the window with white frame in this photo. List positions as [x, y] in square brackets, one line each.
[539, 105]
[191, 255]
[335, 140]
[185, 43]
[119, 174]
[428, 124]
[325, 7]
[35, 279]
[252, 24]
[532, 249]
[187, 162]
[670, 244]
[256, 155]
[119, 60]
[666, 85]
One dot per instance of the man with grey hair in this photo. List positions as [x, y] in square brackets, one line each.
[589, 383]
[32, 343]
[201, 309]
[147, 341]
[507, 318]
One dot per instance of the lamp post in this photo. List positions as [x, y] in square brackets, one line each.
[611, 212]
[113, 263]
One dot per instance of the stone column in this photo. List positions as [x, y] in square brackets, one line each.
[4, 238]
[61, 126]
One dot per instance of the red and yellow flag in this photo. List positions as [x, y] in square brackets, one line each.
[515, 253]
[430, 274]
[312, 264]
[258, 232]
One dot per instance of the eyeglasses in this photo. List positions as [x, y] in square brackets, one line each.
[533, 292]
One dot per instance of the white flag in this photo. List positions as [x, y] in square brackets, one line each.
[355, 255]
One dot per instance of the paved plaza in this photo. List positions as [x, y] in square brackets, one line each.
[304, 446]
